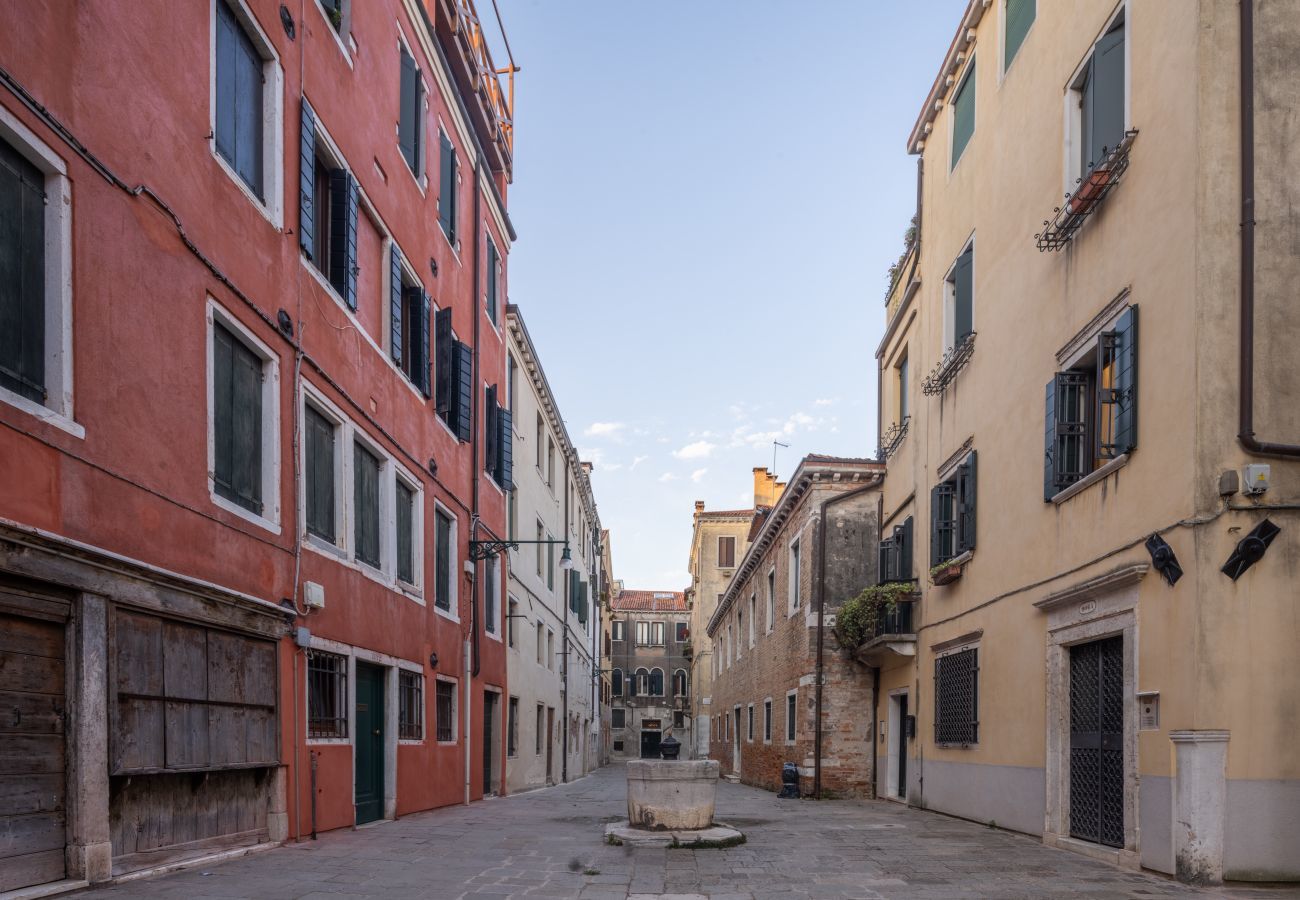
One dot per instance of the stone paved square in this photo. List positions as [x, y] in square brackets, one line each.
[548, 844]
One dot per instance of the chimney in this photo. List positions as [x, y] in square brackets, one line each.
[699, 507]
[767, 490]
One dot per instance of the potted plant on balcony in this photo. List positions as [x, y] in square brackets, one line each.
[1090, 190]
[946, 572]
[857, 619]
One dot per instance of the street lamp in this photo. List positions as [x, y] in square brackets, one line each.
[566, 559]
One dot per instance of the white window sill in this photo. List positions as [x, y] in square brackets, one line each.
[1091, 478]
[248, 515]
[492, 635]
[446, 614]
[44, 413]
[271, 215]
[338, 38]
[329, 742]
[324, 547]
[453, 245]
[410, 742]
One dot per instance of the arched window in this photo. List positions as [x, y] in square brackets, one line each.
[679, 683]
[617, 678]
[656, 682]
[641, 684]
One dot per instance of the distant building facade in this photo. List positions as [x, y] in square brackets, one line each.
[649, 669]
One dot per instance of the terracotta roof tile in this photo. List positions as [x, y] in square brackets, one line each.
[650, 601]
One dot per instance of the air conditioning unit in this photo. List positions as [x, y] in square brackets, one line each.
[314, 595]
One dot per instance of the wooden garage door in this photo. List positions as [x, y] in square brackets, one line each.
[32, 786]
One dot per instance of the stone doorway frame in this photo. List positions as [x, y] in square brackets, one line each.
[1103, 606]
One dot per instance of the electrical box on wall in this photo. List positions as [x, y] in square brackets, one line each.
[1255, 477]
[1149, 711]
[909, 727]
[314, 594]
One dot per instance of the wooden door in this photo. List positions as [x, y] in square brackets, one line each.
[33, 813]
[489, 717]
[370, 743]
[550, 742]
[900, 789]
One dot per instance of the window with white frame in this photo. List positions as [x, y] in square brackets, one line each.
[243, 420]
[796, 561]
[791, 709]
[616, 682]
[491, 593]
[35, 277]
[656, 682]
[959, 297]
[963, 114]
[247, 105]
[1098, 100]
[658, 632]
[642, 634]
[771, 599]
[444, 564]
[680, 683]
[726, 552]
[446, 711]
[410, 122]
[339, 15]
[753, 614]
[1017, 17]
[321, 469]
[617, 629]
[492, 281]
[448, 186]
[410, 705]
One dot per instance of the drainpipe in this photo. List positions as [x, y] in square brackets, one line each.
[1246, 401]
[473, 419]
[568, 592]
[875, 728]
[821, 627]
[469, 708]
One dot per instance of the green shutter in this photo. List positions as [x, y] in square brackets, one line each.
[963, 114]
[366, 504]
[405, 544]
[320, 476]
[1020, 15]
[423, 376]
[408, 123]
[966, 504]
[490, 436]
[22, 275]
[1049, 443]
[492, 261]
[443, 350]
[463, 390]
[395, 346]
[505, 450]
[1107, 87]
[963, 296]
[307, 182]
[447, 187]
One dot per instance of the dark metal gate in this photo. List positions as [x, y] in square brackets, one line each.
[1097, 741]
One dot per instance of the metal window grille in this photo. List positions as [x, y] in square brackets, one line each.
[512, 728]
[327, 693]
[446, 702]
[618, 718]
[956, 693]
[410, 712]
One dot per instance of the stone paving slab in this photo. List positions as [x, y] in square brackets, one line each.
[550, 844]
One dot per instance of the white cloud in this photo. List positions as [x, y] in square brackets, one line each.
[604, 429]
[611, 467]
[636, 461]
[697, 450]
[698, 475]
[667, 477]
[826, 401]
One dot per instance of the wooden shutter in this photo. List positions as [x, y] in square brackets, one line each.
[490, 436]
[1124, 339]
[963, 297]
[464, 390]
[1072, 450]
[408, 123]
[395, 347]
[227, 41]
[582, 602]
[1107, 94]
[1020, 15]
[963, 114]
[239, 99]
[1049, 443]
[965, 517]
[424, 376]
[442, 562]
[903, 534]
[366, 505]
[237, 421]
[505, 449]
[320, 476]
[405, 534]
[343, 240]
[307, 182]
[22, 275]
[350, 245]
[413, 299]
[884, 561]
[492, 262]
[447, 187]
[443, 348]
[942, 524]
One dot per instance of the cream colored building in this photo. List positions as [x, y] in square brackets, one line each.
[554, 615]
[1061, 684]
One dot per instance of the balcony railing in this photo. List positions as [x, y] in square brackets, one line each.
[953, 362]
[495, 99]
[892, 437]
[1087, 197]
[895, 620]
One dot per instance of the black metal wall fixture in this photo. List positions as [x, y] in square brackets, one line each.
[1250, 549]
[1164, 560]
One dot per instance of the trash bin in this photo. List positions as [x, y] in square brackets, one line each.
[789, 782]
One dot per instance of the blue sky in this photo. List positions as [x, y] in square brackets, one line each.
[708, 196]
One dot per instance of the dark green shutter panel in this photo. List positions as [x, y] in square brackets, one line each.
[490, 431]
[1049, 443]
[582, 602]
[366, 503]
[492, 262]
[963, 305]
[223, 411]
[966, 504]
[239, 99]
[936, 551]
[1020, 15]
[1072, 453]
[1107, 89]
[1126, 380]
[343, 235]
[320, 476]
[942, 523]
[464, 389]
[395, 305]
[904, 536]
[963, 115]
[447, 187]
[307, 182]
[413, 299]
[22, 275]
[442, 562]
[354, 208]
[505, 449]
[423, 375]
[237, 421]
[408, 124]
[405, 546]
[227, 42]
[443, 346]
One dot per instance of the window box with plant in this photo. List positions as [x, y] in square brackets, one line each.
[952, 522]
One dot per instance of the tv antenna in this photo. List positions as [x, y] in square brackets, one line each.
[776, 444]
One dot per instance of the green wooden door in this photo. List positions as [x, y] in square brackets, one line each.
[370, 743]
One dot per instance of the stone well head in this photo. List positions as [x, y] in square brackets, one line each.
[664, 795]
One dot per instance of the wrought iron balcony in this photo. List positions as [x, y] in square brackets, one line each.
[892, 635]
[953, 362]
[892, 437]
[1087, 197]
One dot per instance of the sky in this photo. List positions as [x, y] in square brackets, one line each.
[708, 196]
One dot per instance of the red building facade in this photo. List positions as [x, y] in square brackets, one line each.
[252, 285]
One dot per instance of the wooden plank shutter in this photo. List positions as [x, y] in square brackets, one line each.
[492, 262]
[1020, 15]
[444, 349]
[582, 602]
[22, 275]
[1049, 443]
[963, 311]
[408, 121]
[366, 494]
[227, 40]
[936, 551]
[395, 305]
[464, 390]
[942, 523]
[307, 182]
[966, 504]
[350, 270]
[505, 449]
[903, 534]
[337, 265]
[1125, 338]
[490, 432]
[447, 187]
[405, 548]
[248, 111]
[963, 119]
[320, 476]
[412, 304]
[424, 376]
[1107, 90]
